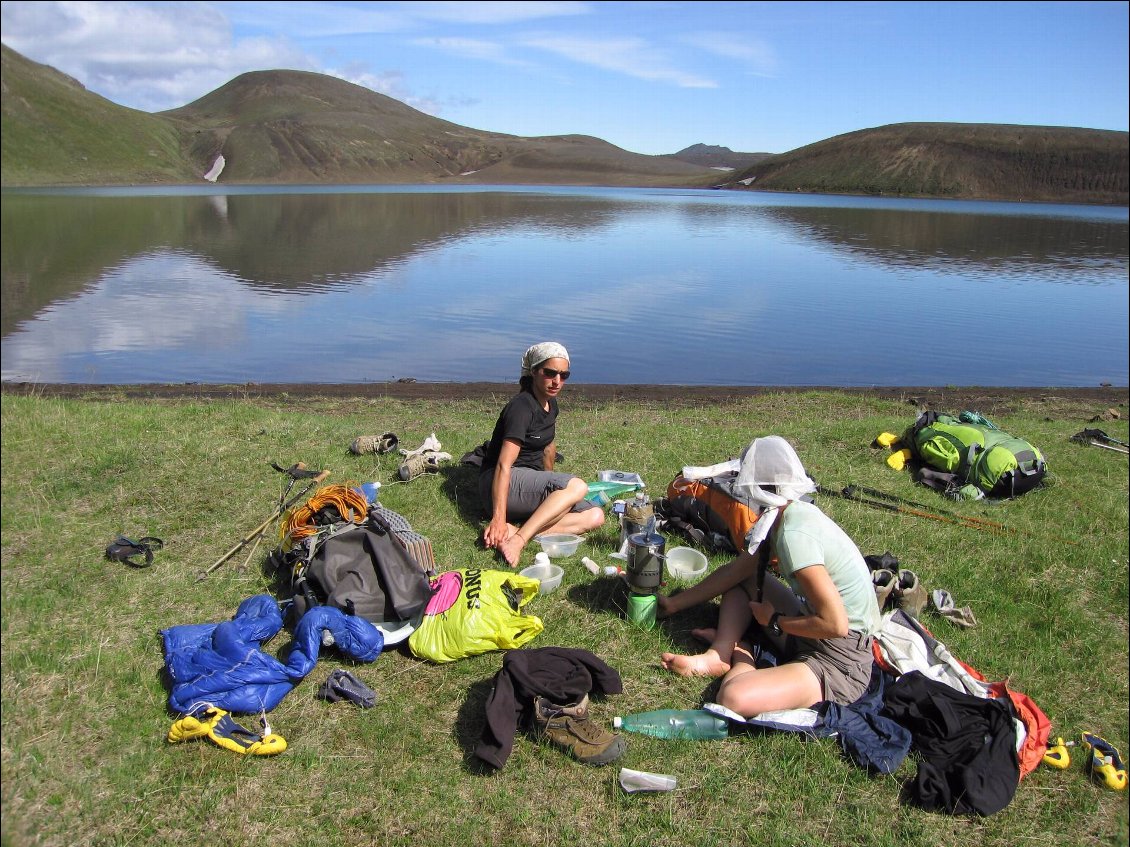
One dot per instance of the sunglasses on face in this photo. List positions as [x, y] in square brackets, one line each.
[550, 373]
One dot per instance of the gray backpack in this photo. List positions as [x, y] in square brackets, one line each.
[364, 570]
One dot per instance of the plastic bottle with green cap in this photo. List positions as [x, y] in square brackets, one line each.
[695, 724]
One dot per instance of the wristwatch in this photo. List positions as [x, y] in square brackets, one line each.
[774, 626]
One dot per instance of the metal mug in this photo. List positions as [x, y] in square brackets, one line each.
[645, 561]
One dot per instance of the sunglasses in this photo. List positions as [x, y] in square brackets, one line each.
[551, 373]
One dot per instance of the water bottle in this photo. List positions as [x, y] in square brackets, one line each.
[696, 724]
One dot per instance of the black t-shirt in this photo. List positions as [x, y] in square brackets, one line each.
[524, 421]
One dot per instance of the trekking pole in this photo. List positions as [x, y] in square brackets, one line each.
[1091, 435]
[1109, 447]
[848, 494]
[873, 492]
[295, 472]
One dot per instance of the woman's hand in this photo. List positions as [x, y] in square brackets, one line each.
[496, 532]
[762, 612]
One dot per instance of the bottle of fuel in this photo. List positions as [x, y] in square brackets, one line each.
[696, 724]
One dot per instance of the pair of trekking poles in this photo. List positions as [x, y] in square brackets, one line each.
[294, 473]
[1098, 438]
[900, 505]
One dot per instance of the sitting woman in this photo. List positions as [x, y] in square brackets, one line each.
[517, 482]
[817, 608]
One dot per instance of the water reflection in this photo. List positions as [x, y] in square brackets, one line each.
[644, 286]
[1072, 251]
[54, 245]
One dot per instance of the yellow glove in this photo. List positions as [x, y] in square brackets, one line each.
[218, 725]
[898, 459]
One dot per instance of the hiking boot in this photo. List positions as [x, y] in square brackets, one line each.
[884, 582]
[420, 463]
[374, 444]
[571, 729]
[910, 596]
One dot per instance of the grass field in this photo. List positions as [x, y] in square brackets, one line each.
[84, 756]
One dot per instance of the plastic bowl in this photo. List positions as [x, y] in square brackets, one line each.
[685, 563]
[549, 576]
[559, 545]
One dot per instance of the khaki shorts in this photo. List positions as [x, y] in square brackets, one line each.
[842, 665]
[528, 490]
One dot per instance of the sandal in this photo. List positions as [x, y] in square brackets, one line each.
[137, 554]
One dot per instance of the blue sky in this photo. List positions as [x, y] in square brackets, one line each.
[651, 77]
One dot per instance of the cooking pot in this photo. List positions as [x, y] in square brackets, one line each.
[645, 560]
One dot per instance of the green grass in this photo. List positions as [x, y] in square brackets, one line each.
[84, 756]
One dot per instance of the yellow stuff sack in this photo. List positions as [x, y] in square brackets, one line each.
[475, 611]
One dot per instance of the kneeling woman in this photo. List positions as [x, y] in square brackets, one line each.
[517, 482]
[818, 610]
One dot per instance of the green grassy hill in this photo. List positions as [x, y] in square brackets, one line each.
[54, 131]
[981, 161]
[296, 127]
[286, 127]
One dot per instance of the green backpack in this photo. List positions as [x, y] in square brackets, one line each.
[969, 450]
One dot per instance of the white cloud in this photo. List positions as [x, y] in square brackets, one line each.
[470, 48]
[754, 52]
[322, 20]
[504, 12]
[630, 56]
[146, 57]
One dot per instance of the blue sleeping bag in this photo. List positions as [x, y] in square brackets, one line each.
[223, 664]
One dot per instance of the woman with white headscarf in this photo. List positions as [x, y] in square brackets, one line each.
[517, 482]
[802, 581]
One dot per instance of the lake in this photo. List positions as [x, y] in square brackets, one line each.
[352, 284]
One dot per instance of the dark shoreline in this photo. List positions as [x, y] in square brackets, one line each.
[981, 398]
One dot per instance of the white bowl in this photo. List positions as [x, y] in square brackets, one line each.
[685, 563]
[559, 545]
[549, 576]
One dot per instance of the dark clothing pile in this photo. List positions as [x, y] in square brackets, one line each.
[562, 675]
[968, 746]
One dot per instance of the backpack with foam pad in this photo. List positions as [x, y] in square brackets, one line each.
[362, 569]
[710, 511]
[969, 450]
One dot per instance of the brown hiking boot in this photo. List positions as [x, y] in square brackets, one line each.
[374, 444]
[910, 596]
[884, 582]
[420, 463]
[570, 728]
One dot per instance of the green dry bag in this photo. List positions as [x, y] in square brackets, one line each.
[977, 453]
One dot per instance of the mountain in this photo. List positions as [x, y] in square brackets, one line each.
[296, 127]
[55, 131]
[973, 161]
[286, 127]
[712, 156]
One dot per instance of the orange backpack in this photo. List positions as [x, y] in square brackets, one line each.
[710, 511]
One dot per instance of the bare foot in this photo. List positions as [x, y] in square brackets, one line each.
[511, 549]
[706, 635]
[511, 531]
[704, 664]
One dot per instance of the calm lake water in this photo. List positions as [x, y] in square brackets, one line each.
[358, 284]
